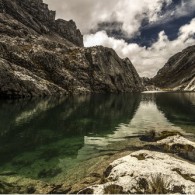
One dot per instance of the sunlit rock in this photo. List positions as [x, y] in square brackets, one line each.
[178, 74]
[143, 171]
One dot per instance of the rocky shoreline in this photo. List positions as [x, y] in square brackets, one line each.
[167, 158]
[167, 166]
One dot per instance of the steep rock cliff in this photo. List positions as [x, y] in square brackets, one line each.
[42, 56]
[24, 17]
[178, 73]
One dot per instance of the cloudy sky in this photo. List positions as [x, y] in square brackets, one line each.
[149, 32]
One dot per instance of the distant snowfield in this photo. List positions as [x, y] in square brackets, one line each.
[154, 91]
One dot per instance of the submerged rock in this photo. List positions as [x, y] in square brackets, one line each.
[6, 188]
[140, 172]
[148, 172]
[170, 142]
[49, 173]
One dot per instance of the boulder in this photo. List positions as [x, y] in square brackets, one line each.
[180, 146]
[147, 172]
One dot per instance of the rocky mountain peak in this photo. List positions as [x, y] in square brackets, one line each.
[38, 9]
[38, 19]
[41, 56]
[178, 73]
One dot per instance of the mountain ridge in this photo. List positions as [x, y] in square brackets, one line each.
[41, 56]
[178, 74]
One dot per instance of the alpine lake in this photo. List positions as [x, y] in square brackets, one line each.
[61, 139]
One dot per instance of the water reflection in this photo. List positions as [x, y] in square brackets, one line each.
[156, 112]
[26, 125]
[179, 108]
[45, 137]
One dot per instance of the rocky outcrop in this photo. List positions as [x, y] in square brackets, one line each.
[147, 172]
[38, 66]
[178, 74]
[19, 82]
[42, 56]
[180, 146]
[33, 17]
[157, 166]
[103, 71]
[69, 31]
[149, 85]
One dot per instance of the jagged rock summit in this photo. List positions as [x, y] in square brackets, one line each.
[42, 56]
[178, 74]
[24, 17]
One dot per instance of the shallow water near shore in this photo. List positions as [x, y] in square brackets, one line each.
[45, 139]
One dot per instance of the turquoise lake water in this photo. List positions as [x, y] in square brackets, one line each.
[44, 138]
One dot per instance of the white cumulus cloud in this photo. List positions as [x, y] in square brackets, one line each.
[88, 13]
[147, 60]
[130, 13]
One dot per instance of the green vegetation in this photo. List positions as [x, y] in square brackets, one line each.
[113, 189]
[86, 191]
[158, 185]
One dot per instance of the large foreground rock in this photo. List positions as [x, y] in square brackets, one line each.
[42, 56]
[147, 172]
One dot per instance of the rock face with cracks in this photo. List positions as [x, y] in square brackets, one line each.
[178, 74]
[42, 56]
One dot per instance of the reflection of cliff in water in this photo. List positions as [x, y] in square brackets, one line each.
[179, 108]
[26, 125]
[147, 117]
